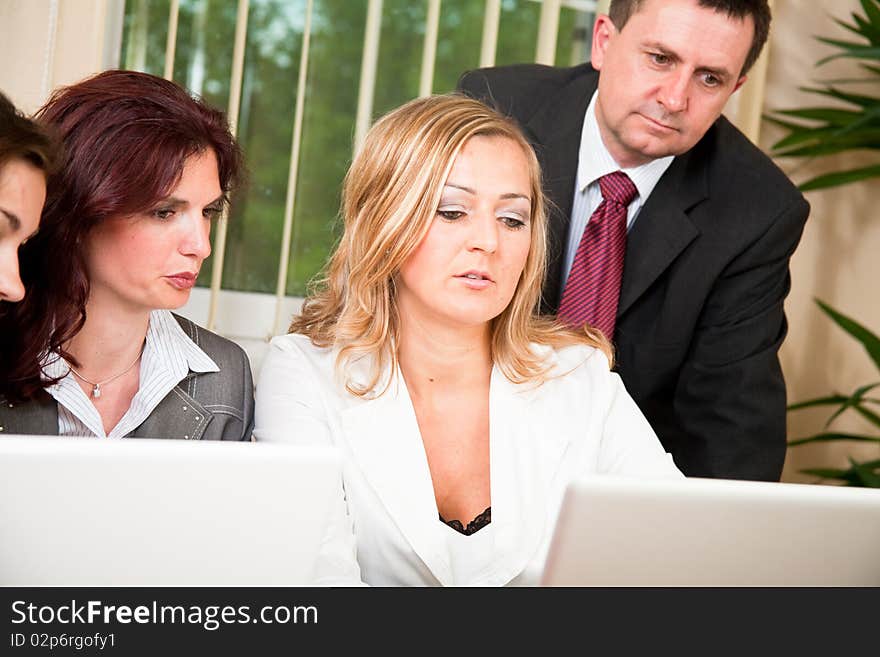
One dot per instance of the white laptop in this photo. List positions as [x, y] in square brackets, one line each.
[710, 532]
[151, 512]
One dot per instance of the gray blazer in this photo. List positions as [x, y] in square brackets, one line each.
[204, 406]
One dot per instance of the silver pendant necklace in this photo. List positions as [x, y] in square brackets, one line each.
[96, 385]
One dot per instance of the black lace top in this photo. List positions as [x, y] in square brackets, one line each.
[474, 525]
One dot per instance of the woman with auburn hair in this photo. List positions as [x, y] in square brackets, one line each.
[93, 350]
[26, 156]
[460, 414]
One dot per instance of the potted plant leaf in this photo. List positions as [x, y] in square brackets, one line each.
[851, 123]
[864, 400]
[849, 120]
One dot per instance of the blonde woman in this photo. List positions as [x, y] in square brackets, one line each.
[460, 414]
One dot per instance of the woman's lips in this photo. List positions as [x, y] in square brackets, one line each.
[182, 280]
[476, 280]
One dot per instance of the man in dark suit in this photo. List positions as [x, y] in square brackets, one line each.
[708, 236]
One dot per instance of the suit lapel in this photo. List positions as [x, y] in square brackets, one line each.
[662, 229]
[384, 437]
[525, 454]
[178, 415]
[555, 130]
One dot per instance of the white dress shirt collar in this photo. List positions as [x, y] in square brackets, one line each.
[594, 160]
[169, 355]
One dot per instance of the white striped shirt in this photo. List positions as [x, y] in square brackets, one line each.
[169, 355]
[594, 161]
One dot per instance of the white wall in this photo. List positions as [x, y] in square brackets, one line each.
[47, 43]
[837, 260]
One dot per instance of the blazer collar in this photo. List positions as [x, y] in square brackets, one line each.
[525, 453]
[555, 131]
[384, 438]
[663, 228]
[178, 415]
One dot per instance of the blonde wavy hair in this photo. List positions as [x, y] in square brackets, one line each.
[389, 198]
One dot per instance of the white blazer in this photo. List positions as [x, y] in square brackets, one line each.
[386, 530]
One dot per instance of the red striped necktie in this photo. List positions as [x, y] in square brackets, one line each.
[593, 287]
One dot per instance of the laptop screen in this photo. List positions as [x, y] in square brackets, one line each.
[709, 532]
[92, 512]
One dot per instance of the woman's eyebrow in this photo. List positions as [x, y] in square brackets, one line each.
[473, 192]
[461, 187]
[175, 202]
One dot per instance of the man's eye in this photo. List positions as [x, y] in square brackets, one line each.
[659, 58]
[163, 213]
[710, 80]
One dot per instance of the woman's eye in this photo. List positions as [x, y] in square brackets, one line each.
[450, 215]
[513, 222]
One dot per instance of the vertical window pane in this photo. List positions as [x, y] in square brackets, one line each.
[145, 32]
[518, 32]
[268, 101]
[458, 41]
[337, 43]
[203, 62]
[203, 52]
[574, 36]
[400, 53]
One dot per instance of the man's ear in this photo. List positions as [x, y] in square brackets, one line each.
[603, 32]
[739, 83]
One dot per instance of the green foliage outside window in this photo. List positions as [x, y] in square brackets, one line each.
[203, 61]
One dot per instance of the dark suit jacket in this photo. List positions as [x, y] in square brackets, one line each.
[204, 406]
[700, 316]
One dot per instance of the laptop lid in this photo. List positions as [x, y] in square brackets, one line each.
[710, 532]
[145, 512]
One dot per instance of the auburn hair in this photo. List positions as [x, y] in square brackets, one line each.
[125, 138]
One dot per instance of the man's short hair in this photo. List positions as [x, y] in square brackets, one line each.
[759, 10]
